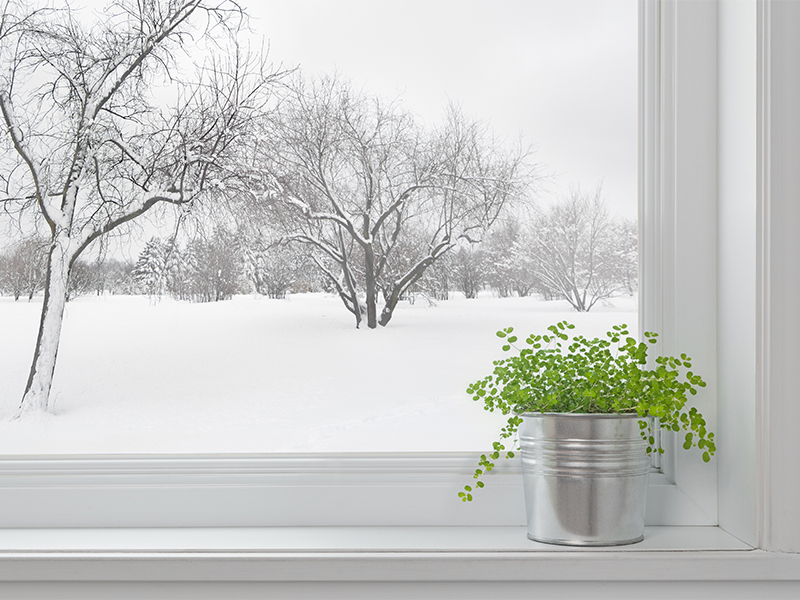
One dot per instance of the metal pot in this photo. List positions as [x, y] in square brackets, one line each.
[585, 478]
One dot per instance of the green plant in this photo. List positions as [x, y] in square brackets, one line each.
[556, 373]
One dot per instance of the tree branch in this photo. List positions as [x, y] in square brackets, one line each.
[17, 139]
[92, 234]
[177, 19]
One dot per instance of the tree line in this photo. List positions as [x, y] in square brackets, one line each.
[574, 251]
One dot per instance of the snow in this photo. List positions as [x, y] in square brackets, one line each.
[259, 375]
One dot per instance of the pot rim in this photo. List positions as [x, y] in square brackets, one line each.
[583, 415]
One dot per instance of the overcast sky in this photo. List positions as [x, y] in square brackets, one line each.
[560, 72]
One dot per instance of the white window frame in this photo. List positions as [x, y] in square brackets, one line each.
[399, 489]
[679, 256]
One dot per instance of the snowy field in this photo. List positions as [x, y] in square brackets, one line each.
[260, 375]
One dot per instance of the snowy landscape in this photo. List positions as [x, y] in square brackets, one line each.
[227, 228]
[254, 374]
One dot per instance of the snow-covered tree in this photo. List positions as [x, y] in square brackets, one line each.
[352, 174]
[82, 279]
[273, 268]
[625, 253]
[89, 144]
[150, 271]
[177, 274]
[214, 267]
[438, 280]
[469, 270]
[510, 268]
[22, 272]
[576, 251]
[113, 276]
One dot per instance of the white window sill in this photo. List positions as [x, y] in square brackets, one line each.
[376, 554]
[266, 540]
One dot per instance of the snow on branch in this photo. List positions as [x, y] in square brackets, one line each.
[21, 147]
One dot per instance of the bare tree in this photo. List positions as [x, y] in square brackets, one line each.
[439, 278]
[576, 251]
[356, 174]
[81, 279]
[97, 145]
[112, 276]
[214, 266]
[625, 254]
[272, 267]
[469, 270]
[23, 270]
[510, 266]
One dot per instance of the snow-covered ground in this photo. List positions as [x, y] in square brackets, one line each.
[260, 375]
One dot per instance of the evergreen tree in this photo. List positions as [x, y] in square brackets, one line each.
[176, 271]
[150, 272]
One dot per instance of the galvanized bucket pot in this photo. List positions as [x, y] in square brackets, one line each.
[585, 478]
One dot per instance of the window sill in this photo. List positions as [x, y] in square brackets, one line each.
[376, 554]
[347, 490]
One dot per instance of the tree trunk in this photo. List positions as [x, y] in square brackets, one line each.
[372, 299]
[398, 288]
[388, 310]
[37, 390]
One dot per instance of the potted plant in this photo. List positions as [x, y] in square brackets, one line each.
[583, 413]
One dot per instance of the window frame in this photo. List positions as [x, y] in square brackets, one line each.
[679, 191]
[678, 211]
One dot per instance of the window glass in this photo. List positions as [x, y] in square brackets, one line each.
[225, 330]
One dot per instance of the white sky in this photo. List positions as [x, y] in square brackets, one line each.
[560, 72]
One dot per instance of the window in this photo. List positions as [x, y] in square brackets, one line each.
[416, 489]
